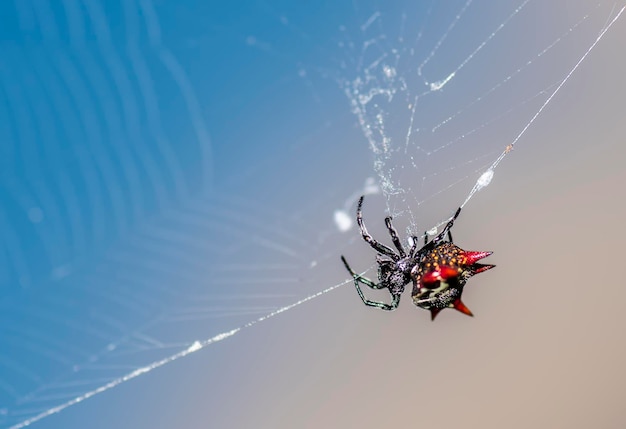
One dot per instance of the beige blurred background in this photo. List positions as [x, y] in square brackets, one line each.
[547, 346]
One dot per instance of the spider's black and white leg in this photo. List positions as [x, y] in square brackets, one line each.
[414, 246]
[395, 299]
[447, 228]
[360, 278]
[414, 251]
[379, 247]
[394, 237]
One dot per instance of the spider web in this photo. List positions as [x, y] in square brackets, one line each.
[433, 117]
[155, 203]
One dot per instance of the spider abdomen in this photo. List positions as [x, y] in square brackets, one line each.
[439, 279]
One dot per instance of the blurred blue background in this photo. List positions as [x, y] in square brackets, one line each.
[157, 161]
[170, 171]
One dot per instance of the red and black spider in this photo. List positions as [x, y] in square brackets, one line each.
[438, 270]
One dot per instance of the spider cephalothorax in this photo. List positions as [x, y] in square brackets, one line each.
[439, 269]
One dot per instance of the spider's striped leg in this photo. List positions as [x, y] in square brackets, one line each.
[395, 300]
[447, 228]
[394, 237]
[359, 278]
[379, 247]
[414, 246]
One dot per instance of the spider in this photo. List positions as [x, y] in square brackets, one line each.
[438, 270]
